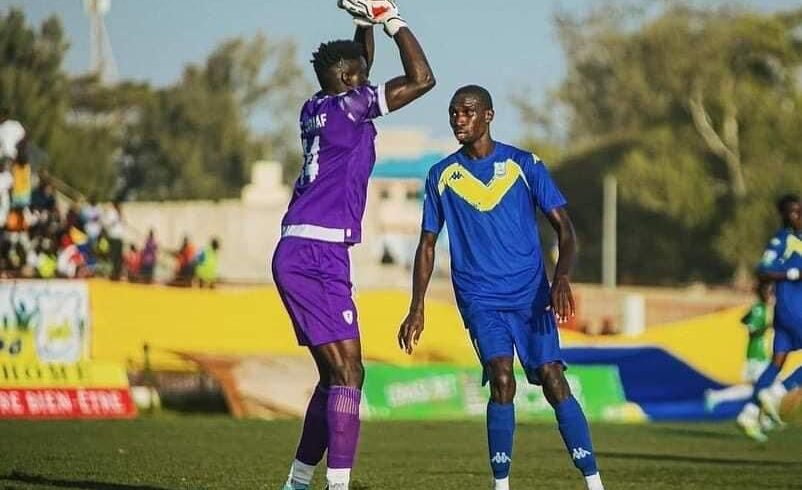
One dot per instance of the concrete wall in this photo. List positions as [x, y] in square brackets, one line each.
[248, 228]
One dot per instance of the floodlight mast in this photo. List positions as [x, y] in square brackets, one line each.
[102, 58]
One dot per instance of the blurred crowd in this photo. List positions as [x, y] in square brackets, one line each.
[44, 238]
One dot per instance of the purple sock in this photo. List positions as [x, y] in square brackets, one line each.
[315, 436]
[343, 422]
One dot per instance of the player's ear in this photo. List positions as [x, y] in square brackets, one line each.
[489, 115]
[342, 73]
[349, 74]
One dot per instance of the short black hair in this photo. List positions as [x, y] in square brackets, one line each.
[330, 53]
[785, 201]
[477, 91]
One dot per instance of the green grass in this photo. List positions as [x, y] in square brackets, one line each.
[221, 453]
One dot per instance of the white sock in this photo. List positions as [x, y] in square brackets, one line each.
[737, 392]
[502, 484]
[301, 473]
[778, 390]
[338, 478]
[750, 410]
[594, 482]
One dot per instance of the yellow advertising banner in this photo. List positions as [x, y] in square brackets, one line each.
[85, 374]
[33, 390]
[45, 321]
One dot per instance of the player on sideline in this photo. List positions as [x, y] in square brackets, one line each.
[311, 265]
[781, 264]
[488, 194]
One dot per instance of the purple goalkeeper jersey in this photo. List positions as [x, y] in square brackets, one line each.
[337, 137]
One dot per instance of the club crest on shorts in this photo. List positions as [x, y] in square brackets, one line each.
[500, 169]
[348, 316]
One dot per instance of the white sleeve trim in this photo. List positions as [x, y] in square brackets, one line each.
[383, 109]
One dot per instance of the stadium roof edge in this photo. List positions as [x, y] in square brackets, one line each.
[406, 168]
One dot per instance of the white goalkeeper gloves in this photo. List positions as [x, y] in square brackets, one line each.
[369, 12]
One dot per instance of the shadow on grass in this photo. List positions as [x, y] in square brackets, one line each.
[17, 477]
[694, 459]
[706, 434]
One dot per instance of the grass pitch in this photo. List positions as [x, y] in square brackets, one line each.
[195, 453]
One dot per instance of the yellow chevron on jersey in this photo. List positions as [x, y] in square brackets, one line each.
[792, 245]
[483, 197]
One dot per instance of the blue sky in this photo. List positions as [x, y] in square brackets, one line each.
[507, 45]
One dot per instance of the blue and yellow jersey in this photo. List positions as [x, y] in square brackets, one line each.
[784, 252]
[489, 208]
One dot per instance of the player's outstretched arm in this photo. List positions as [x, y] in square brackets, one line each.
[364, 36]
[412, 327]
[774, 276]
[562, 299]
[418, 77]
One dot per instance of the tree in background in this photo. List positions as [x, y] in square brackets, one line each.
[32, 85]
[189, 140]
[193, 139]
[697, 112]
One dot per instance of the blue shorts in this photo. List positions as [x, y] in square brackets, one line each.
[787, 338]
[501, 333]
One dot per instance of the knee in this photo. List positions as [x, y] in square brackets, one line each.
[502, 386]
[555, 386]
[349, 373]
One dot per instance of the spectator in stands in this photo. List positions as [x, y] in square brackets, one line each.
[43, 210]
[206, 267]
[91, 214]
[101, 252]
[13, 141]
[113, 225]
[73, 217]
[80, 240]
[21, 189]
[147, 264]
[46, 259]
[185, 264]
[17, 256]
[44, 197]
[70, 262]
[132, 263]
[5, 260]
[6, 183]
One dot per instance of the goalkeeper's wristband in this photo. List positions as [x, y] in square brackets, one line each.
[793, 274]
[363, 23]
[393, 25]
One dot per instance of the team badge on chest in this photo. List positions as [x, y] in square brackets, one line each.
[500, 169]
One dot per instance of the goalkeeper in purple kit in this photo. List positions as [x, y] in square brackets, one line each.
[311, 264]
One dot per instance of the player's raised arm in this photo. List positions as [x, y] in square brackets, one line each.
[562, 300]
[364, 36]
[418, 77]
[412, 327]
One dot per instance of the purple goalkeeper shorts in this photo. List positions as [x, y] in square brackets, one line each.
[314, 281]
